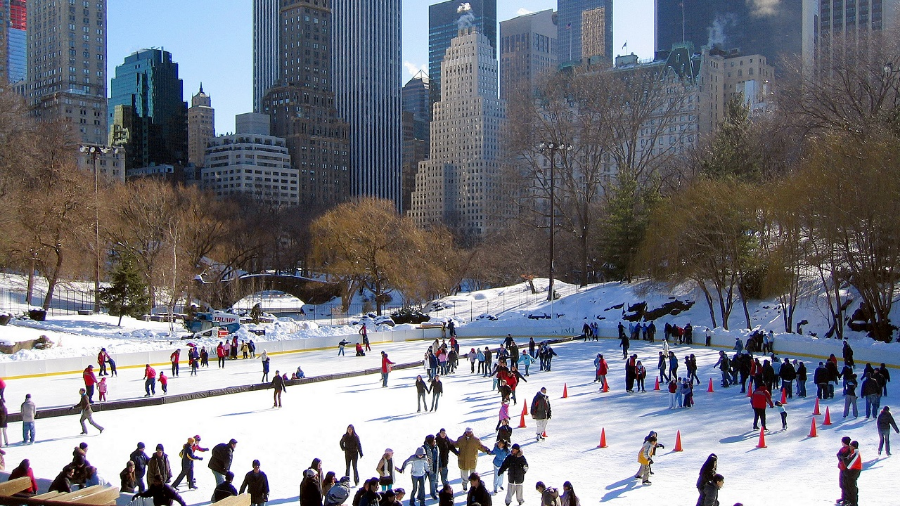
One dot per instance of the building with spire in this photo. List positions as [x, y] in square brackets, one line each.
[66, 65]
[301, 104]
[461, 185]
[148, 115]
[201, 127]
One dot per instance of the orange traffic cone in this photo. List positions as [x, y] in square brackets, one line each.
[605, 387]
[783, 396]
[544, 434]
[522, 420]
[710, 389]
[812, 430]
[762, 439]
[525, 408]
[827, 420]
[602, 439]
[750, 388]
[565, 390]
[657, 384]
[678, 447]
[816, 411]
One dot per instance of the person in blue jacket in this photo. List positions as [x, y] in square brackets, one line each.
[500, 452]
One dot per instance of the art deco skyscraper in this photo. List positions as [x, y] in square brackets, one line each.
[67, 64]
[367, 81]
[201, 127]
[265, 48]
[461, 185]
[301, 104]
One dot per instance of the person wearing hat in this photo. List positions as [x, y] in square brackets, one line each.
[468, 447]
[418, 468]
[140, 461]
[90, 379]
[478, 493]
[87, 414]
[187, 464]
[541, 412]
[162, 494]
[220, 461]
[517, 466]
[645, 458]
[842, 467]
[853, 462]
[28, 411]
[159, 465]
[310, 495]
[224, 489]
[386, 469]
[884, 423]
[257, 484]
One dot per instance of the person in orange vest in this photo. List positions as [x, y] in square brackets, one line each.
[758, 401]
[853, 462]
[149, 380]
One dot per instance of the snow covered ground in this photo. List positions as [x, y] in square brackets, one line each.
[793, 469]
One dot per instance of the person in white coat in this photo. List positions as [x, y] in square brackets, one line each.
[418, 463]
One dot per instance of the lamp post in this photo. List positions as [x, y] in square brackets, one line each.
[95, 152]
[552, 148]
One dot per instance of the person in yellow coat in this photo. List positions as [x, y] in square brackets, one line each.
[645, 458]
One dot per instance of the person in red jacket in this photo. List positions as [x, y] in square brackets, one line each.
[164, 382]
[220, 353]
[21, 471]
[149, 380]
[89, 381]
[758, 401]
[101, 361]
[175, 358]
[602, 371]
[385, 368]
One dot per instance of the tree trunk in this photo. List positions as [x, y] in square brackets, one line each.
[53, 279]
[709, 301]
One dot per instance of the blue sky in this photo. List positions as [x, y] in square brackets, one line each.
[212, 40]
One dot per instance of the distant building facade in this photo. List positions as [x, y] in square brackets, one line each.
[13, 41]
[301, 104]
[416, 132]
[201, 127]
[444, 22]
[66, 65]
[366, 79]
[527, 51]
[461, 185]
[585, 30]
[258, 166]
[265, 48]
[148, 115]
[252, 123]
[857, 20]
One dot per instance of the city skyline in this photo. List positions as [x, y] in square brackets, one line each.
[219, 50]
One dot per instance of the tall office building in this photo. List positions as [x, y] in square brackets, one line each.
[461, 185]
[444, 22]
[825, 19]
[254, 165]
[416, 132]
[4, 35]
[527, 51]
[585, 31]
[148, 114]
[17, 42]
[201, 127]
[301, 104]
[771, 29]
[67, 64]
[265, 48]
[367, 67]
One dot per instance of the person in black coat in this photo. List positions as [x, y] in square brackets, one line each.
[310, 495]
[709, 495]
[445, 446]
[256, 483]
[517, 466]
[801, 379]
[788, 375]
[224, 489]
[352, 449]
[848, 353]
[162, 494]
[140, 460]
[220, 461]
[478, 493]
[63, 481]
[820, 378]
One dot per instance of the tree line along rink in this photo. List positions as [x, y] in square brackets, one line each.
[315, 416]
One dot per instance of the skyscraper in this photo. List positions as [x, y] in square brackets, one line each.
[201, 127]
[67, 64]
[17, 42]
[367, 72]
[444, 21]
[824, 19]
[148, 114]
[585, 30]
[461, 185]
[4, 36]
[301, 104]
[416, 132]
[527, 50]
[772, 29]
[265, 49]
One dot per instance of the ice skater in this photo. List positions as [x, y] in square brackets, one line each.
[279, 386]
[87, 414]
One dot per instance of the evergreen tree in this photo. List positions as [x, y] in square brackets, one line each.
[127, 293]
